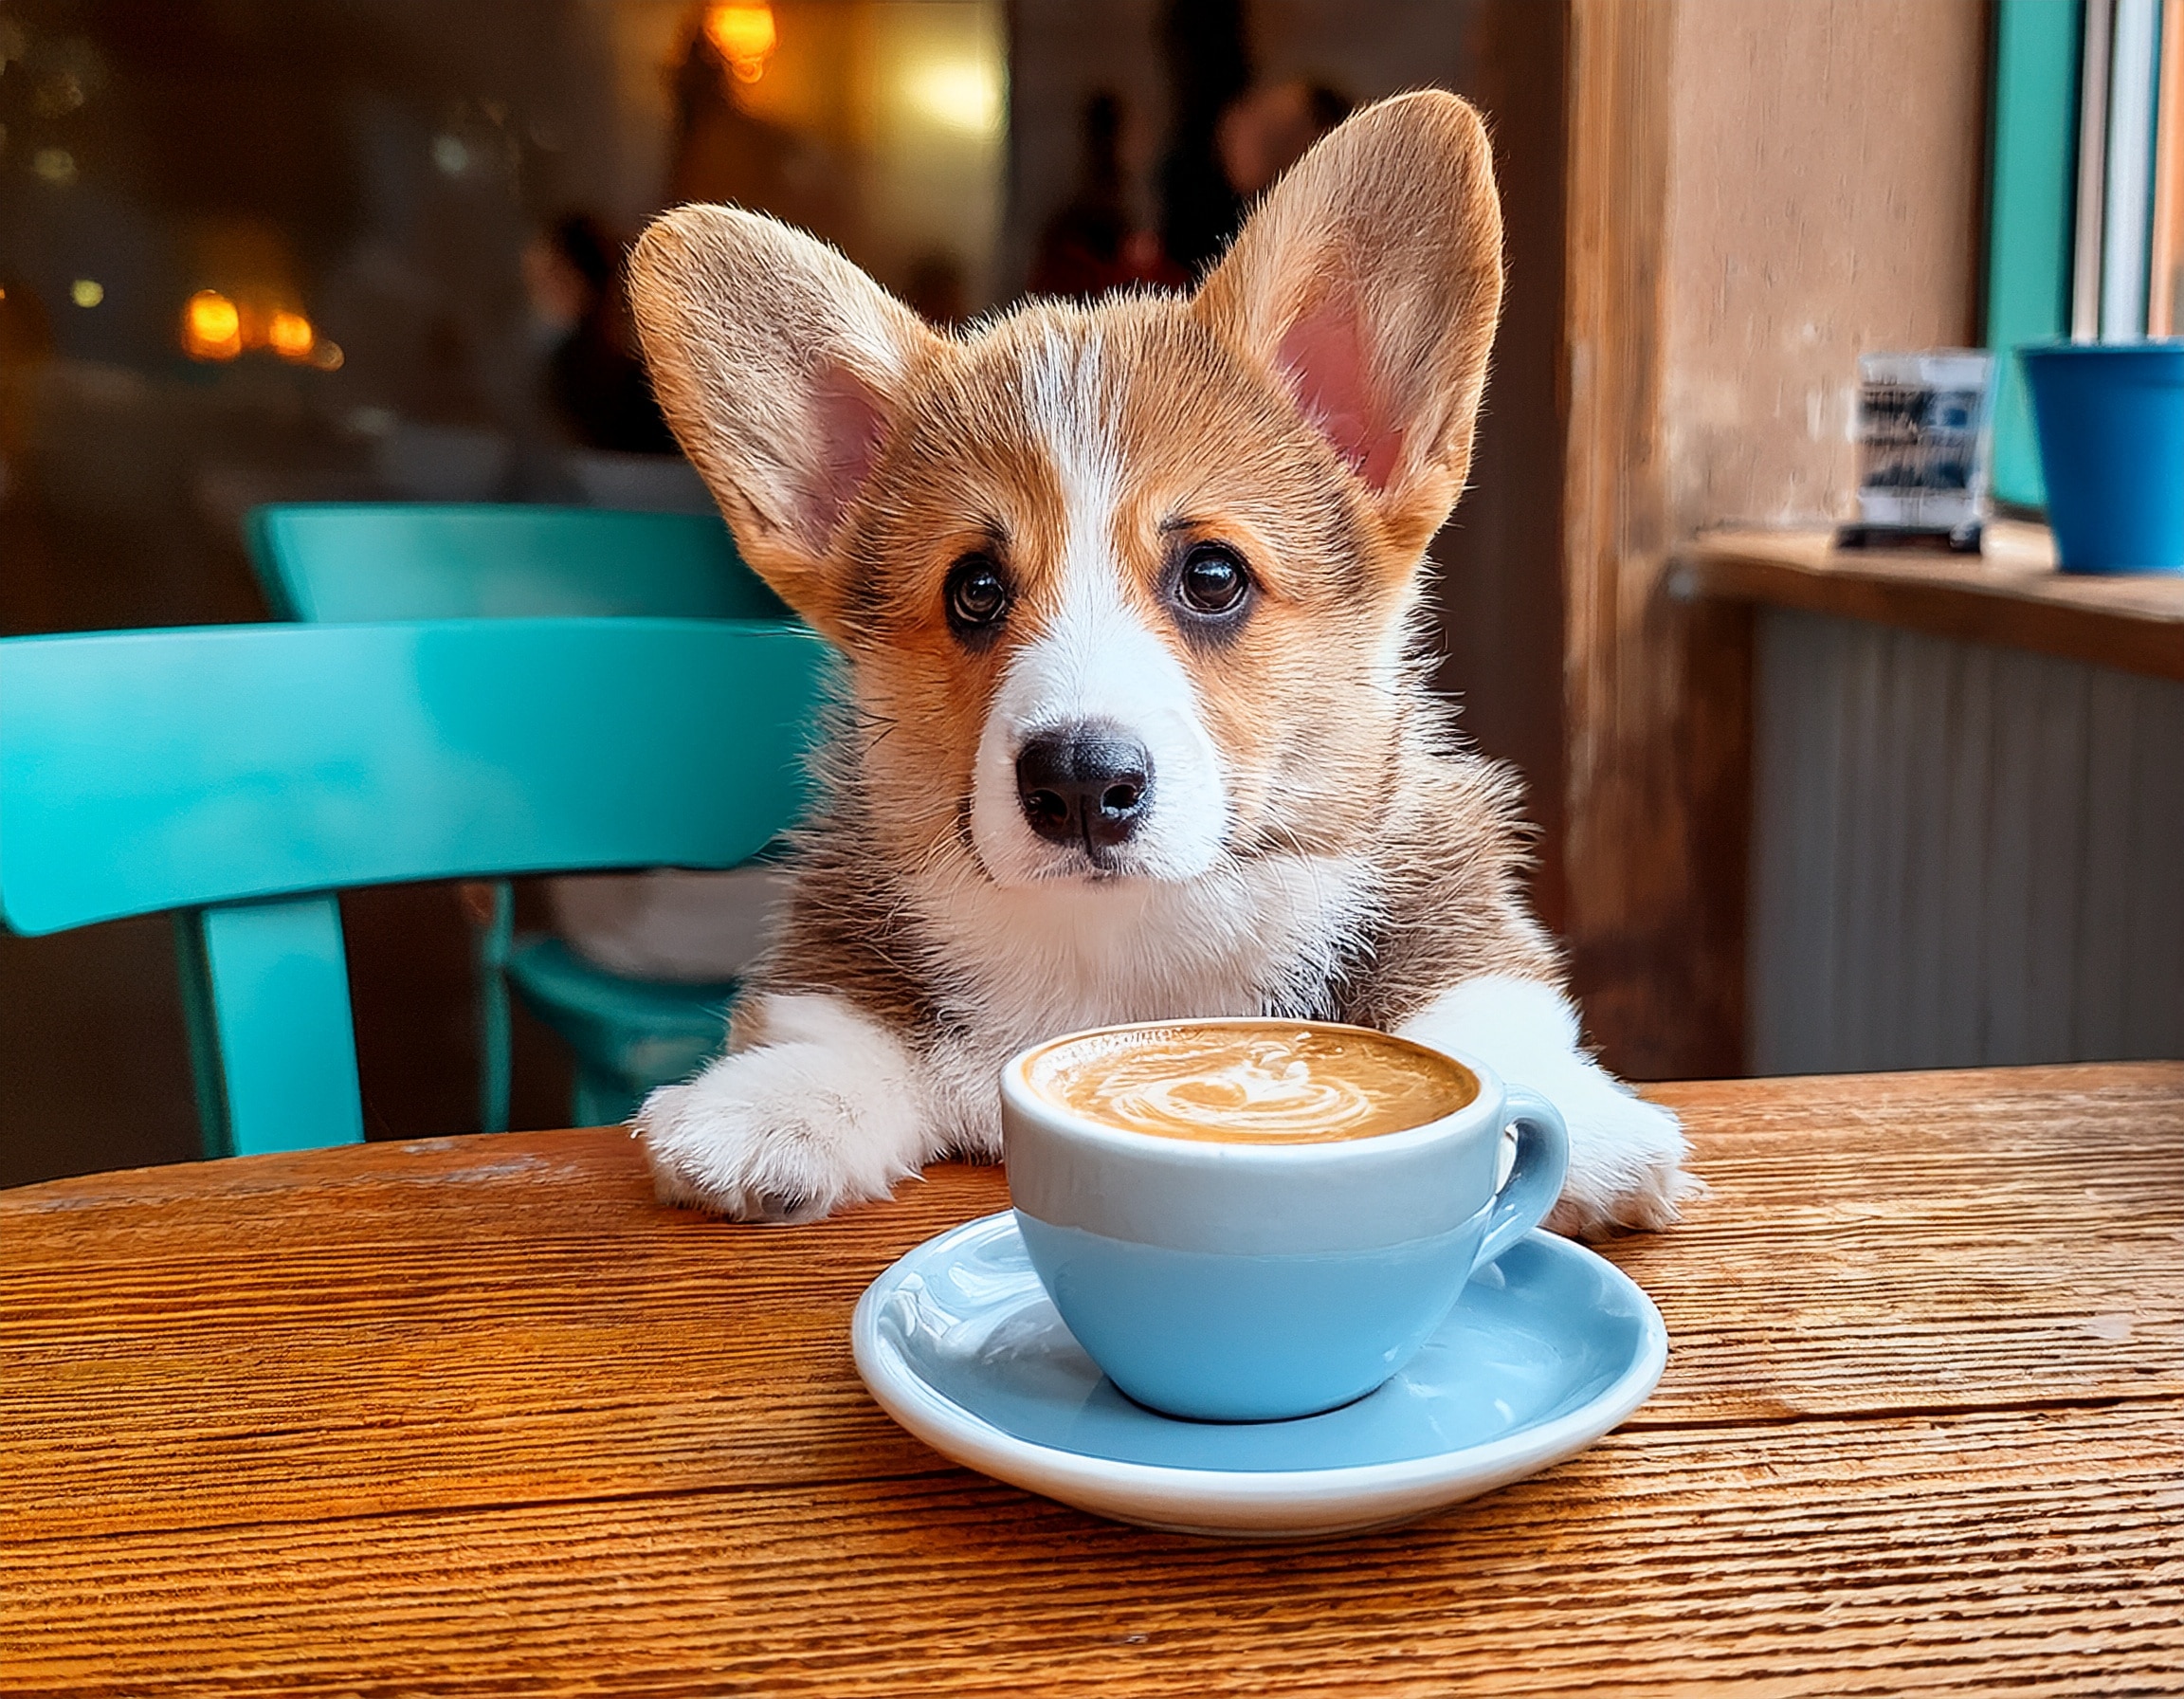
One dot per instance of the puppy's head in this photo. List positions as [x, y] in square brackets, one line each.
[1124, 589]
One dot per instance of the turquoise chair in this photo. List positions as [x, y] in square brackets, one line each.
[339, 562]
[237, 776]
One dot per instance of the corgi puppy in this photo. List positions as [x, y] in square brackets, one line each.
[1133, 725]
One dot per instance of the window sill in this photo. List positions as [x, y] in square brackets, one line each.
[2012, 595]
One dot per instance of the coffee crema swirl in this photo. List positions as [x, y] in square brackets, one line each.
[1253, 1083]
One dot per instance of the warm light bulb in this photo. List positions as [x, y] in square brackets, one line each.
[964, 95]
[212, 327]
[744, 36]
[86, 292]
[290, 335]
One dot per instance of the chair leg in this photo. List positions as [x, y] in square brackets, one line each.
[214, 1137]
[494, 936]
[266, 991]
[600, 1100]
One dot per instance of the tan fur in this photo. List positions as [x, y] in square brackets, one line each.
[1393, 215]
[1311, 406]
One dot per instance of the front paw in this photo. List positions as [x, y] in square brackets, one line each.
[776, 1134]
[1626, 1163]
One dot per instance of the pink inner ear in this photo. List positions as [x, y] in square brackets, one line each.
[846, 414]
[1324, 353]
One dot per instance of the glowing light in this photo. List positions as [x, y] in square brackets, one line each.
[745, 37]
[451, 155]
[86, 292]
[290, 335]
[56, 165]
[327, 355]
[212, 327]
[963, 95]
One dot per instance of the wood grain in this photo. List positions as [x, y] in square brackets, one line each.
[1877, 1557]
[2011, 596]
[474, 1416]
[1655, 691]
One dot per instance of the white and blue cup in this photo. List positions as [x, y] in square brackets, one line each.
[1256, 1281]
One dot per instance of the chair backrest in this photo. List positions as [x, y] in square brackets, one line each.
[239, 773]
[336, 562]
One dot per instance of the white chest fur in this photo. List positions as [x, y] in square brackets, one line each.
[1019, 963]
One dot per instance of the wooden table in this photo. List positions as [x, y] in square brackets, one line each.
[474, 1414]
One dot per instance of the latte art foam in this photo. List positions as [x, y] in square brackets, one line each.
[1253, 1083]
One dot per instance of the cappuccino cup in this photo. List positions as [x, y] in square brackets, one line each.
[1247, 1220]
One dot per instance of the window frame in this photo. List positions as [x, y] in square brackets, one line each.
[2031, 207]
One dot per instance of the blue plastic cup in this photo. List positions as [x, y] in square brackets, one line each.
[2111, 423]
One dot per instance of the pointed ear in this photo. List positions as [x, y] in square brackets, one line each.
[780, 367]
[1367, 283]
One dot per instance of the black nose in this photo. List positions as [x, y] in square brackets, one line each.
[1088, 784]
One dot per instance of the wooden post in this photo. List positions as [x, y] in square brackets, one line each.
[1655, 690]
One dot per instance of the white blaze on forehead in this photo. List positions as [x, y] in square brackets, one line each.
[1096, 661]
[1062, 397]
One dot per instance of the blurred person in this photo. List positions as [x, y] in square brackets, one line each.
[720, 151]
[593, 376]
[1267, 129]
[1092, 245]
[1209, 67]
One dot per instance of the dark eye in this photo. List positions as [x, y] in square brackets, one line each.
[1213, 580]
[977, 594]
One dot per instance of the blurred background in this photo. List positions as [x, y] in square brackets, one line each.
[264, 250]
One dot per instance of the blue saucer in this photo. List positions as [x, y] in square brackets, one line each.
[1548, 1349]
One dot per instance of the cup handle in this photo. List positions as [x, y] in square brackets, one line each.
[1536, 1180]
